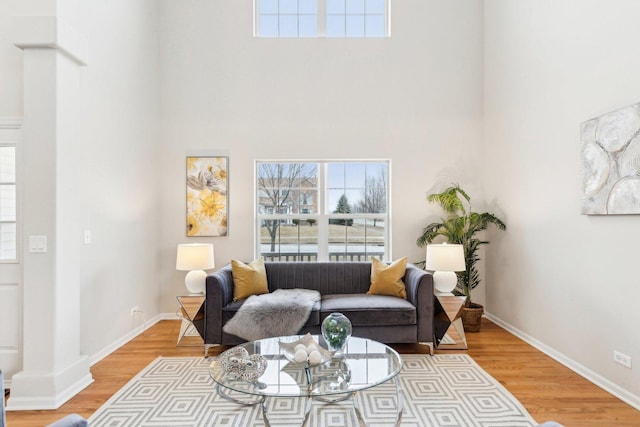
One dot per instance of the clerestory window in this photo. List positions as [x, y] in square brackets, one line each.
[322, 210]
[321, 18]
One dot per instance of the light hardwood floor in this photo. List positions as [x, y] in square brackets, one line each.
[547, 389]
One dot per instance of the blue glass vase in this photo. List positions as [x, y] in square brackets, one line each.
[336, 330]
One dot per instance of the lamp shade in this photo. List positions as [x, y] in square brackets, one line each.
[195, 256]
[445, 257]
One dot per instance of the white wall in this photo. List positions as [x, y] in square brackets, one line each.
[118, 156]
[415, 98]
[120, 167]
[10, 66]
[567, 280]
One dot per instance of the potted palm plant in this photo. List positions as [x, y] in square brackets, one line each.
[460, 226]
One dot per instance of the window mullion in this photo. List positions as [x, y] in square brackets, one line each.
[322, 18]
[256, 21]
[387, 18]
[387, 218]
[323, 221]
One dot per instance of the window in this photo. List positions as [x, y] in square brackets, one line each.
[356, 18]
[8, 250]
[318, 211]
[321, 18]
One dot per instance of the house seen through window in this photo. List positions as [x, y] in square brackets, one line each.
[322, 210]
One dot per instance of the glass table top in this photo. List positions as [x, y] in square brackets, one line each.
[364, 363]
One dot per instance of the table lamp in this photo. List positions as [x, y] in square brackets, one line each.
[195, 258]
[444, 260]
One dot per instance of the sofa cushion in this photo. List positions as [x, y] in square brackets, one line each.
[324, 277]
[249, 279]
[387, 279]
[230, 310]
[370, 310]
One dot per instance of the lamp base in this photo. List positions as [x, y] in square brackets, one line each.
[195, 281]
[444, 281]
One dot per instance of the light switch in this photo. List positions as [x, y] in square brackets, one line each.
[38, 244]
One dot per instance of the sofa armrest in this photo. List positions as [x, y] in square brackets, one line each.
[419, 287]
[72, 420]
[219, 295]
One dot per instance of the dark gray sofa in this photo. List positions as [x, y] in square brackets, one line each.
[343, 286]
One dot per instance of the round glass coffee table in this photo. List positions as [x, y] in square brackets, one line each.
[363, 364]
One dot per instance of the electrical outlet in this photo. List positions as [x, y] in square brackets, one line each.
[622, 359]
[134, 309]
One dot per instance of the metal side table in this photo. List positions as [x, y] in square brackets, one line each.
[191, 312]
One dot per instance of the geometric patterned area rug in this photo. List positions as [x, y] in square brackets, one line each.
[441, 390]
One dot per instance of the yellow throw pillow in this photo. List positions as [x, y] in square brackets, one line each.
[248, 279]
[387, 279]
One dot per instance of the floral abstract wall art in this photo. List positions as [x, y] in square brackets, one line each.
[611, 163]
[207, 196]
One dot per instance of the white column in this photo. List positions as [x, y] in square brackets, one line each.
[53, 369]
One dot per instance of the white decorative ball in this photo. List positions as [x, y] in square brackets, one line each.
[312, 347]
[300, 356]
[315, 357]
[300, 347]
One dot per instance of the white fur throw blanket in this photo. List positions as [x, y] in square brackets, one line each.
[279, 313]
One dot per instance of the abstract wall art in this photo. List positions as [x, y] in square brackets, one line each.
[610, 154]
[207, 196]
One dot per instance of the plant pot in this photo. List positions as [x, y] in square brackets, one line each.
[472, 316]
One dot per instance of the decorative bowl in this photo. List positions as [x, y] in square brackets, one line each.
[237, 361]
[288, 349]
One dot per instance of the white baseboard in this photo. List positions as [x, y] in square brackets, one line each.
[576, 367]
[95, 358]
[35, 390]
[39, 402]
